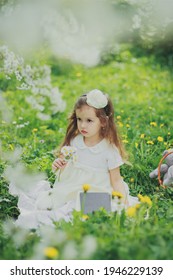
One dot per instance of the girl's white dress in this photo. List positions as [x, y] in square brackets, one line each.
[46, 205]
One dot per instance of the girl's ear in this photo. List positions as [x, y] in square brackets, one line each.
[103, 123]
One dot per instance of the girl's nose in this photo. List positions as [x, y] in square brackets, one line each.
[82, 124]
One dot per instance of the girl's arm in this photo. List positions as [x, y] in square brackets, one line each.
[118, 184]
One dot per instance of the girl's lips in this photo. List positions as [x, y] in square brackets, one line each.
[83, 131]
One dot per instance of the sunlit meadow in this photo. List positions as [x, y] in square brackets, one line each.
[36, 97]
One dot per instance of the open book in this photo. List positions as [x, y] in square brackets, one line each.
[93, 201]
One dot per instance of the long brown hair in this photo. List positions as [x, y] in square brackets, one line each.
[106, 117]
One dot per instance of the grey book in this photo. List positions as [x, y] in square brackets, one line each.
[93, 201]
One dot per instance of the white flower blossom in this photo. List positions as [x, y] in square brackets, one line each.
[89, 246]
[69, 153]
[21, 179]
[70, 251]
[43, 117]
[35, 79]
[4, 109]
[136, 22]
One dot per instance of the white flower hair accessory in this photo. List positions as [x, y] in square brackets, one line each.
[96, 99]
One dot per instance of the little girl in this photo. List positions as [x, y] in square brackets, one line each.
[99, 155]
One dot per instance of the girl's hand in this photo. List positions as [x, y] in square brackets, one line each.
[58, 163]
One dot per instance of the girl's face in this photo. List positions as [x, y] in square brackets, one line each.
[88, 123]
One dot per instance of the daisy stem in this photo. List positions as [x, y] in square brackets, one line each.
[59, 175]
[50, 177]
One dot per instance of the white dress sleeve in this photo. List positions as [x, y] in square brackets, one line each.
[114, 159]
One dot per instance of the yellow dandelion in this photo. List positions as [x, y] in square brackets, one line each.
[85, 217]
[160, 139]
[34, 130]
[125, 141]
[162, 125]
[140, 196]
[145, 199]
[131, 212]
[86, 187]
[149, 142]
[49, 132]
[78, 74]
[118, 117]
[117, 194]
[169, 133]
[153, 124]
[51, 252]
[136, 145]
[142, 135]
[132, 180]
[127, 125]
[137, 206]
[120, 124]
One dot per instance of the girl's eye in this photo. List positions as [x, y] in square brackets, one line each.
[89, 120]
[78, 119]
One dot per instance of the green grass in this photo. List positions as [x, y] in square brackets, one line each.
[141, 90]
